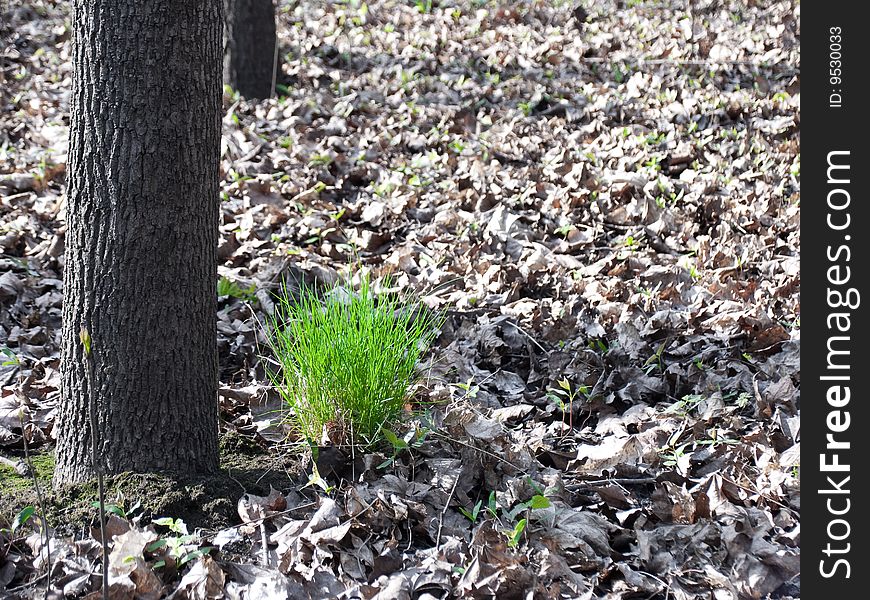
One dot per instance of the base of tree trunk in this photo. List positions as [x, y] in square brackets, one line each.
[207, 501]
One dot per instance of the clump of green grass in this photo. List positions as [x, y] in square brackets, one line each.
[348, 361]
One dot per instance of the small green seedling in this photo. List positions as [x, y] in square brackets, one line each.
[492, 505]
[564, 230]
[227, 288]
[472, 514]
[655, 361]
[22, 518]
[181, 547]
[11, 359]
[564, 397]
[714, 441]
[671, 456]
[398, 445]
[111, 508]
[470, 390]
[598, 344]
[685, 405]
[316, 480]
[413, 439]
[537, 502]
[320, 160]
[516, 533]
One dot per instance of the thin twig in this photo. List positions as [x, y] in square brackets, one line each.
[664, 583]
[444, 511]
[39, 497]
[352, 453]
[272, 516]
[251, 154]
[525, 333]
[410, 535]
[85, 337]
[312, 190]
[758, 492]
[620, 481]
[481, 450]
[29, 584]
[264, 541]
[274, 69]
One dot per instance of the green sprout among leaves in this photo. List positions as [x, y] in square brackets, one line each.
[564, 230]
[513, 520]
[118, 510]
[470, 390]
[516, 533]
[181, 547]
[11, 359]
[655, 361]
[537, 502]
[472, 514]
[492, 504]
[671, 457]
[684, 406]
[22, 518]
[228, 288]
[617, 72]
[715, 440]
[319, 160]
[316, 480]
[398, 444]
[564, 397]
[599, 344]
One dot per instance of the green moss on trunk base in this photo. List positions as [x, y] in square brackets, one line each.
[13, 483]
[207, 501]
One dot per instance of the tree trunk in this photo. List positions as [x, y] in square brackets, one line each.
[250, 59]
[140, 266]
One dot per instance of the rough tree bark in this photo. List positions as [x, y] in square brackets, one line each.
[249, 57]
[140, 265]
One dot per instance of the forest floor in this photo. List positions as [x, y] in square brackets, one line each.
[606, 204]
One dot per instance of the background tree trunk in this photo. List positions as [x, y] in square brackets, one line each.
[249, 58]
[142, 213]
